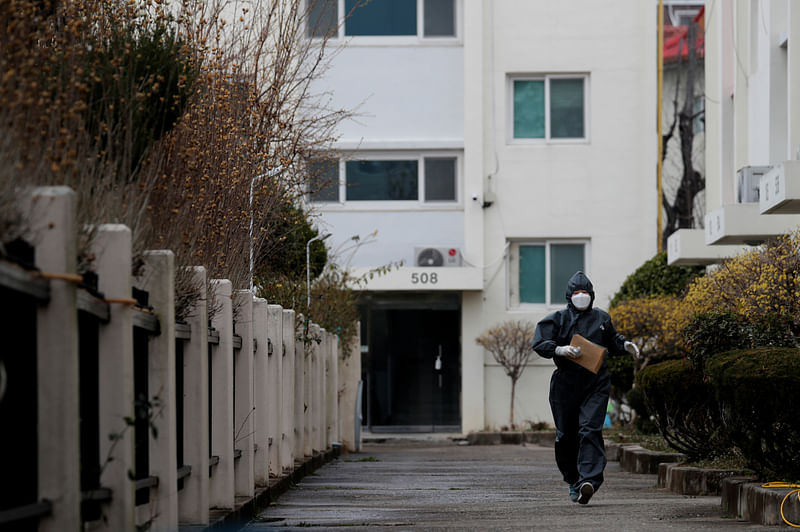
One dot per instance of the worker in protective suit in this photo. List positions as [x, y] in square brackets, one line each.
[578, 397]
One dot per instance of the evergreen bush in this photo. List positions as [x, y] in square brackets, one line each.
[714, 332]
[656, 277]
[684, 408]
[721, 331]
[757, 393]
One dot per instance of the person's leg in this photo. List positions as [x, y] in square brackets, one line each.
[565, 408]
[591, 450]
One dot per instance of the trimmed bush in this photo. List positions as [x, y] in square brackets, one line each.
[718, 332]
[757, 392]
[684, 408]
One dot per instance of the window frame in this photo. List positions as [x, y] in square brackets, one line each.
[419, 204]
[398, 40]
[512, 273]
[511, 139]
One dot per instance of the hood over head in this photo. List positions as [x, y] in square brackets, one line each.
[579, 281]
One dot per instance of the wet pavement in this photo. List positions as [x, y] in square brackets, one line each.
[441, 485]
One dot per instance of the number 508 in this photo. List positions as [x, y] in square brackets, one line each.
[424, 278]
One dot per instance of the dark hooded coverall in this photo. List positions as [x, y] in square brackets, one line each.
[578, 397]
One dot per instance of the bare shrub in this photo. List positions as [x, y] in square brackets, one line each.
[511, 345]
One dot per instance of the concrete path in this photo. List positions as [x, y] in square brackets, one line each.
[440, 485]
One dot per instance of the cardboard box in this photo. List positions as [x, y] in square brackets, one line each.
[592, 355]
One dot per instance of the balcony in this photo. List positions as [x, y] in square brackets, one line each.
[742, 223]
[687, 247]
[779, 189]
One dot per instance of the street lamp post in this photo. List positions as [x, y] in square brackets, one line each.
[271, 173]
[308, 267]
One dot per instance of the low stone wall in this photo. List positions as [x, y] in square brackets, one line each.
[687, 480]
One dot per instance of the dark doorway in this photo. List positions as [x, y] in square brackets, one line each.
[412, 364]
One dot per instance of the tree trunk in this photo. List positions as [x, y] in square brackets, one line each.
[513, 390]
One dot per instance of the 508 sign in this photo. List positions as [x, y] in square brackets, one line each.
[424, 278]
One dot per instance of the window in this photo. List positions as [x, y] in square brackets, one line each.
[440, 179]
[548, 108]
[323, 183]
[382, 18]
[539, 270]
[422, 179]
[382, 180]
[322, 18]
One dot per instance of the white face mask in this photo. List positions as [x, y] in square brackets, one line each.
[581, 300]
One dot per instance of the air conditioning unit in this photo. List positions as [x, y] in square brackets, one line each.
[747, 179]
[437, 257]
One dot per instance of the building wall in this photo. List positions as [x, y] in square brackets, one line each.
[601, 190]
[457, 97]
[749, 80]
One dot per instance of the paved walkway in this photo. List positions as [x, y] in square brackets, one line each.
[440, 485]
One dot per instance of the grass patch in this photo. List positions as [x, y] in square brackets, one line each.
[625, 434]
[732, 460]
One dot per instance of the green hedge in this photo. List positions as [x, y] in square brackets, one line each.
[758, 393]
[684, 408]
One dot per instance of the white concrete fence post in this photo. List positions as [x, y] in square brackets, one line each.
[158, 279]
[349, 377]
[261, 391]
[304, 351]
[53, 233]
[244, 407]
[288, 407]
[333, 388]
[316, 388]
[193, 500]
[222, 479]
[274, 387]
[298, 414]
[112, 249]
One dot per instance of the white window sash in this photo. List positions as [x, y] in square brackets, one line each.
[547, 139]
[385, 205]
[398, 40]
[513, 271]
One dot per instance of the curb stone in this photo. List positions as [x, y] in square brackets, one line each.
[687, 480]
[636, 459]
[748, 500]
[613, 449]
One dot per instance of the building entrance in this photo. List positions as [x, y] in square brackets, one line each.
[412, 364]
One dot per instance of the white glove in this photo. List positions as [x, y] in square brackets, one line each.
[631, 348]
[571, 351]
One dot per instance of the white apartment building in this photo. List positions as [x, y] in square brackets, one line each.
[752, 85]
[500, 146]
